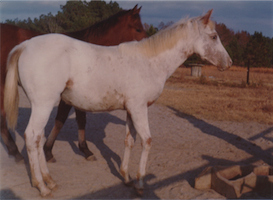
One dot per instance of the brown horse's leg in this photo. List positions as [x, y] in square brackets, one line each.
[8, 140]
[81, 120]
[62, 114]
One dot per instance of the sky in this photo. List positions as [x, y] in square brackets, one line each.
[248, 16]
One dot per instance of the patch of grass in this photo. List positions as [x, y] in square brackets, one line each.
[268, 108]
[211, 97]
[203, 80]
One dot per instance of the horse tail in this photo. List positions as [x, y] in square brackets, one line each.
[11, 95]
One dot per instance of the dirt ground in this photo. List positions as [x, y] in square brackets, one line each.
[182, 146]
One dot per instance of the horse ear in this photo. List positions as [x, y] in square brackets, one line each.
[139, 9]
[135, 8]
[206, 17]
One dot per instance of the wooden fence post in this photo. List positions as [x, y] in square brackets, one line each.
[247, 76]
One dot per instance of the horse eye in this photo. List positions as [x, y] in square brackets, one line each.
[214, 37]
[138, 30]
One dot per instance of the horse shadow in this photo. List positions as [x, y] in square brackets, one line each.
[95, 133]
[150, 192]
[8, 194]
[244, 144]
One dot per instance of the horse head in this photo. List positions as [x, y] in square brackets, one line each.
[208, 45]
[133, 25]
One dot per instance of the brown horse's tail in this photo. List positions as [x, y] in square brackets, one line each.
[11, 95]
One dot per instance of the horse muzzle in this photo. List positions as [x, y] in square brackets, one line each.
[224, 65]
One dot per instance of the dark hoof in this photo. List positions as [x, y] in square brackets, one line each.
[19, 158]
[91, 158]
[51, 160]
[139, 191]
[130, 183]
[49, 156]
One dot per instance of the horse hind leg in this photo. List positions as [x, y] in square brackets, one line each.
[34, 136]
[8, 140]
[11, 146]
[129, 144]
[51, 140]
[62, 115]
[43, 166]
[81, 121]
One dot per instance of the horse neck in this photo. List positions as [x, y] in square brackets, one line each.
[101, 32]
[169, 60]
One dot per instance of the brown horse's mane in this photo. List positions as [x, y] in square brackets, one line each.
[98, 29]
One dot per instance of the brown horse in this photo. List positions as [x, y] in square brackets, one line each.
[125, 26]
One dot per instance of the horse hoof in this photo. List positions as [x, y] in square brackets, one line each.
[51, 160]
[91, 158]
[46, 193]
[20, 162]
[19, 158]
[130, 183]
[53, 187]
[47, 196]
[139, 191]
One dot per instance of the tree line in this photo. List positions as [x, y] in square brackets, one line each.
[74, 16]
[254, 50]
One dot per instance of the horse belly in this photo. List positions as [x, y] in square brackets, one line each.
[92, 101]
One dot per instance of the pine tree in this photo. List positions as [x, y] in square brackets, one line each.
[258, 51]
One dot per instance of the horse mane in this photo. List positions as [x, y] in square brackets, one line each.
[168, 38]
[164, 39]
[212, 25]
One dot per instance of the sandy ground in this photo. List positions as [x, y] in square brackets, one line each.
[182, 147]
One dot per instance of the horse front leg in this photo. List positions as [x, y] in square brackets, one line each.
[81, 121]
[129, 144]
[140, 120]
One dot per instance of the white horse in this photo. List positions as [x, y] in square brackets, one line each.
[130, 76]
